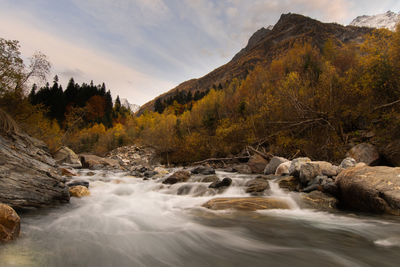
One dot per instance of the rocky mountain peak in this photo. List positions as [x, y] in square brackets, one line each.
[387, 20]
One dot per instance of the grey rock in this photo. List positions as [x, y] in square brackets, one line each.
[257, 186]
[210, 179]
[294, 169]
[308, 172]
[364, 152]
[79, 182]
[347, 163]
[224, 183]
[273, 164]
[65, 156]
[283, 168]
[205, 170]
[177, 177]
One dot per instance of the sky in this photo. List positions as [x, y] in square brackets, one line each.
[143, 48]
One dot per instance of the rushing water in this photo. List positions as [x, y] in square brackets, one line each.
[130, 222]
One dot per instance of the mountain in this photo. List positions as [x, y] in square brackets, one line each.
[264, 45]
[387, 20]
[132, 107]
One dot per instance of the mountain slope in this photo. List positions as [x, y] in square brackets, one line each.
[387, 20]
[263, 46]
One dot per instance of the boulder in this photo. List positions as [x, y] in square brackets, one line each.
[9, 223]
[257, 186]
[283, 168]
[257, 164]
[308, 172]
[290, 183]
[246, 203]
[79, 191]
[177, 177]
[364, 152]
[392, 153]
[317, 200]
[242, 168]
[65, 156]
[94, 162]
[28, 174]
[66, 172]
[149, 174]
[210, 179]
[347, 163]
[78, 182]
[327, 168]
[295, 165]
[219, 184]
[370, 189]
[230, 169]
[273, 164]
[204, 170]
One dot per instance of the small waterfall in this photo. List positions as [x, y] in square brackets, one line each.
[277, 192]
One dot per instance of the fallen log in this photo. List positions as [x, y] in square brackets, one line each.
[222, 160]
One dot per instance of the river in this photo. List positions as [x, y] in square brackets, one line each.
[130, 222]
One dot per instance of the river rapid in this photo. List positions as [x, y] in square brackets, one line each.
[130, 222]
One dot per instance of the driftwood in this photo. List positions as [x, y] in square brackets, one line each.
[267, 156]
[221, 160]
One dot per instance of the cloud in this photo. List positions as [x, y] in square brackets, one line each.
[84, 63]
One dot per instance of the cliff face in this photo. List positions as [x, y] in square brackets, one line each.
[28, 177]
[264, 45]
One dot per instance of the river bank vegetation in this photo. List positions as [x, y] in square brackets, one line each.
[306, 101]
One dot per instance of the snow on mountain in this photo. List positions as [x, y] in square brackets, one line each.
[387, 20]
[133, 107]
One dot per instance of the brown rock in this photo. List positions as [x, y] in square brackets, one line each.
[317, 200]
[245, 203]
[288, 182]
[177, 177]
[392, 153]
[257, 164]
[79, 191]
[210, 179]
[95, 162]
[9, 223]
[243, 169]
[364, 152]
[257, 186]
[283, 168]
[65, 155]
[371, 189]
[66, 172]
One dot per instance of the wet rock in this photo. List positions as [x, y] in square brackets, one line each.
[210, 179]
[294, 169]
[79, 182]
[94, 162]
[204, 170]
[79, 191]
[243, 169]
[28, 177]
[290, 183]
[364, 152]
[230, 169]
[90, 174]
[311, 188]
[177, 177]
[224, 183]
[318, 200]
[257, 164]
[308, 171]
[331, 188]
[370, 189]
[184, 189]
[257, 186]
[283, 168]
[392, 152]
[161, 170]
[65, 156]
[245, 203]
[9, 223]
[66, 172]
[347, 163]
[149, 174]
[273, 165]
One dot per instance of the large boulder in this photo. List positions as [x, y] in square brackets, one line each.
[210, 179]
[327, 168]
[392, 153]
[371, 189]
[246, 203]
[273, 164]
[28, 174]
[65, 156]
[347, 163]
[295, 165]
[257, 186]
[283, 168]
[257, 164]
[177, 177]
[9, 223]
[364, 152]
[243, 169]
[79, 191]
[308, 172]
[94, 162]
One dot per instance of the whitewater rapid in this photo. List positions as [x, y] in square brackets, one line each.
[131, 222]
